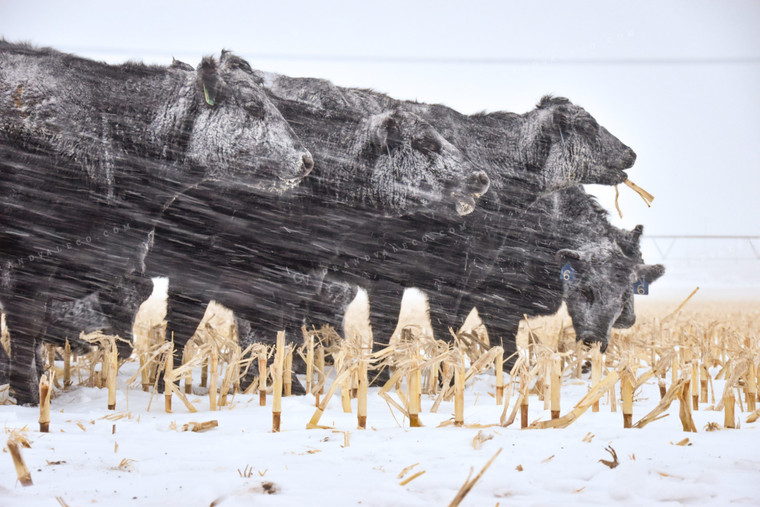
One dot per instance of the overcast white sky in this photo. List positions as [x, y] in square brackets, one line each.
[679, 82]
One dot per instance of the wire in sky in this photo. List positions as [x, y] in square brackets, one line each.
[434, 60]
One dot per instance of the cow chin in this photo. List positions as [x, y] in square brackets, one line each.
[263, 180]
[256, 185]
[605, 176]
[304, 169]
[288, 183]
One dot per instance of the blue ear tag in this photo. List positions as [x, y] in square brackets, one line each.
[641, 288]
[568, 273]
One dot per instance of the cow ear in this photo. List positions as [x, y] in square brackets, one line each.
[179, 65]
[229, 60]
[561, 122]
[558, 121]
[385, 135]
[650, 273]
[210, 83]
[586, 125]
[629, 241]
[392, 133]
[553, 119]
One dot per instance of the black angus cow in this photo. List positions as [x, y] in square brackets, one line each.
[91, 153]
[569, 229]
[555, 145]
[508, 264]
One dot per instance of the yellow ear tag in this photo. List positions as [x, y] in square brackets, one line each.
[209, 100]
[641, 287]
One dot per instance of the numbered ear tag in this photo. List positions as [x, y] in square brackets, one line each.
[641, 288]
[568, 273]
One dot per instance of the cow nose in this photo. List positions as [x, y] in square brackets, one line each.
[479, 183]
[590, 341]
[629, 158]
[465, 204]
[307, 164]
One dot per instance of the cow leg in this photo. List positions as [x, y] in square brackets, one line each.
[247, 335]
[120, 306]
[502, 329]
[298, 365]
[444, 314]
[384, 307]
[183, 315]
[328, 308]
[293, 336]
[24, 372]
[5, 366]
[24, 318]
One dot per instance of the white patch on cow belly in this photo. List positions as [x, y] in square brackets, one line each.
[356, 320]
[152, 312]
[414, 313]
[160, 287]
[473, 324]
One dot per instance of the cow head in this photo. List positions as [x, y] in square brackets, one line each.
[411, 166]
[598, 288]
[571, 147]
[238, 136]
[628, 241]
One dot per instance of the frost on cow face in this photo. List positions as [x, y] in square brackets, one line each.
[411, 166]
[238, 135]
[600, 288]
[579, 149]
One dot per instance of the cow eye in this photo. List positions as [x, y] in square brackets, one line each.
[588, 127]
[426, 145]
[255, 109]
[588, 295]
[243, 65]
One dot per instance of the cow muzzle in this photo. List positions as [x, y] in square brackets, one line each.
[591, 340]
[465, 204]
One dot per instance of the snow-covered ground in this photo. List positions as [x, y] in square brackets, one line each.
[136, 456]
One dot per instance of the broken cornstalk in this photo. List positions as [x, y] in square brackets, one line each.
[361, 394]
[45, 382]
[262, 378]
[213, 377]
[168, 371]
[646, 196]
[22, 472]
[556, 385]
[278, 366]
